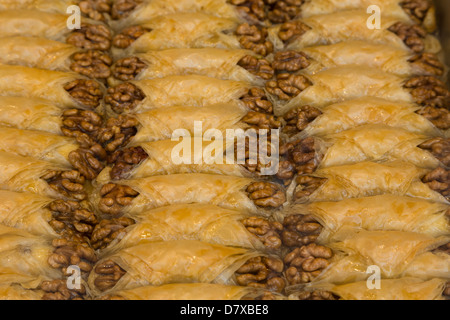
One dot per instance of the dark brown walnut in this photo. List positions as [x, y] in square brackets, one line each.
[412, 35]
[289, 31]
[128, 35]
[254, 38]
[439, 181]
[124, 161]
[108, 273]
[306, 186]
[86, 92]
[109, 230]
[72, 253]
[299, 118]
[114, 198]
[267, 231]
[92, 63]
[123, 8]
[286, 171]
[127, 69]
[88, 162]
[287, 86]
[259, 120]
[290, 61]
[71, 220]
[266, 194]
[316, 295]
[256, 99]
[58, 290]
[262, 272]
[300, 230]
[95, 9]
[284, 10]
[427, 64]
[446, 291]
[124, 97]
[303, 155]
[253, 10]
[83, 125]
[444, 248]
[70, 184]
[117, 132]
[439, 148]
[305, 263]
[91, 37]
[416, 9]
[256, 66]
[440, 117]
[428, 91]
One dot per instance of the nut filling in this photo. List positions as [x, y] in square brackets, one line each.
[259, 67]
[289, 31]
[71, 220]
[439, 148]
[440, 117]
[93, 64]
[439, 181]
[107, 231]
[290, 61]
[287, 86]
[91, 37]
[428, 91]
[284, 10]
[303, 155]
[266, 194]
[128, 35]
[416, 9]
[317, 295]
[108, 273]
[300, 230]
[86, 92]
[254, 38]
[253, 10]
[123, 8]
[259, 120]
[69, 184]
[256, 100]
[125, 161]
[95, 9]
[262, 272]
[82, 125]
[115, 197]
[127, 69]
[58, 290]
[427, 64]
[124, 97]
[299, 118]
[305, 263]
[306, 186]
[88, 161]
[117, 133]
[412, 35]
[267, 231]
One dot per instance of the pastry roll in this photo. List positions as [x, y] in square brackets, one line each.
[319, 121]
[193, 291]
[54, 26]
[192, 90]
[93, 9]
[45, 216]
[165, 262]
[237, 65]
[53, 148]
[162, 123]
[47, 54]
[395, 253]
[351, 82]
[202, 222]
[191, 30]
[387, 58]
[352, 25]
[369, 179]
[25, 174]
[230, 192]
[418, 12]
[367, 143]
[381, 212]
[65, 89]
[405, 288]
[17, 292]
